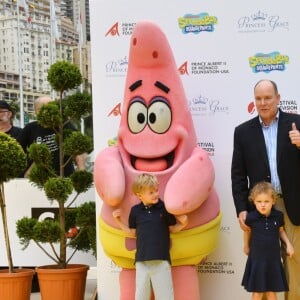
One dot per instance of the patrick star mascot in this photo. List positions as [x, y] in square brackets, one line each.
[156, 135]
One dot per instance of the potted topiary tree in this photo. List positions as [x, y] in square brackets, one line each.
[71, 229]
[14, 283]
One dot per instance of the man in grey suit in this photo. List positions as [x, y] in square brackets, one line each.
[266, 148]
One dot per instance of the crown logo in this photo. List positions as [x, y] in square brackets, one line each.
[259, 16]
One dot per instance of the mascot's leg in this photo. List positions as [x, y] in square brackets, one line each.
[127, 284]
[186, 282]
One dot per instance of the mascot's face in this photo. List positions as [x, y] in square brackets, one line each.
[156, 132]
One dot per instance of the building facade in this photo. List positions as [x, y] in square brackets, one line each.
[32, 38]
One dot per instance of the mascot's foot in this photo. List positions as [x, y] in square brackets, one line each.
[186, 282]
[127, 284]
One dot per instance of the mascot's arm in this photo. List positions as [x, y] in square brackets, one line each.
[109, 177]
[191, 184]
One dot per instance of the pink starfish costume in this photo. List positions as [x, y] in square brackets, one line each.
[156, 135]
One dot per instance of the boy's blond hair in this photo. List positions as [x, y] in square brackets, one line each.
[263, 188]
[144, 181]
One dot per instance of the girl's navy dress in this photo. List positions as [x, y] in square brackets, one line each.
[264, 269]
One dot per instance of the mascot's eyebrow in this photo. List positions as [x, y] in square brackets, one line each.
[162, 86]
[135, 85]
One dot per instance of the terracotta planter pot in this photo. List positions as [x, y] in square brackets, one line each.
[17, 285]
[67, 284]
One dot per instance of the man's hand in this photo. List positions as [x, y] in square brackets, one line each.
[294, 135]
[242, 218]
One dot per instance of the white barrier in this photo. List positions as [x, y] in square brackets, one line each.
[21, 198]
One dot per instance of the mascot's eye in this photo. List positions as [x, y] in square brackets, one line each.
[159, 116]
[137, 116]
[141, 118]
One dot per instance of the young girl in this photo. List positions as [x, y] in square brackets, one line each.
[264, 270]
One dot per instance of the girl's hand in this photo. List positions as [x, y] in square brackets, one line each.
[290, 250]
[246, 250]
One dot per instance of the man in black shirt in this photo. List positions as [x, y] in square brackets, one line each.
[33, 132]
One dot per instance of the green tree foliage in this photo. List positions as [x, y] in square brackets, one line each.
[62, 76]
[12, 163]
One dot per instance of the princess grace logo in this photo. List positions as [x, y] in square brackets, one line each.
[202, 106]
[269, 62]
[261, 21]
[204, 68]
[196, 24]
[116, 67]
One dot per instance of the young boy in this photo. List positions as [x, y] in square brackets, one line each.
[151, 224]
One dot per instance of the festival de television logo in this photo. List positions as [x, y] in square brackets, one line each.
[208, 146]
[198, 23]
[268, 62]
[287, 105]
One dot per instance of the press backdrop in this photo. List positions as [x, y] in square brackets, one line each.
[222, 48]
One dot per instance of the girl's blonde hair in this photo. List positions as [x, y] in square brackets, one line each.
[263, 188]
[144, 181]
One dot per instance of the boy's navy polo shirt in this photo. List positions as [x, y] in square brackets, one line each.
[152, 231]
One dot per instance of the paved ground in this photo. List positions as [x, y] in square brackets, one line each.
[91, 285]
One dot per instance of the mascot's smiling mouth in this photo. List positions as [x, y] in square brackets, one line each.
[153, 164]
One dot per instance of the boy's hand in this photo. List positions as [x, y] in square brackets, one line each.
[116, 213]
[183, 219]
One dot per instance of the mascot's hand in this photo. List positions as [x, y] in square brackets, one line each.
[191, 184]
[116, 213]
[109, 176]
